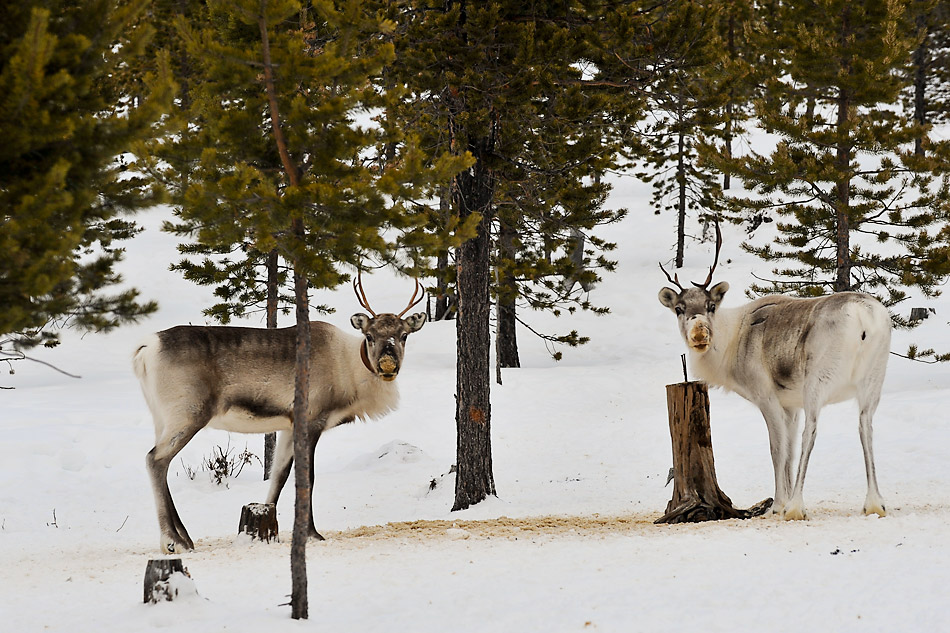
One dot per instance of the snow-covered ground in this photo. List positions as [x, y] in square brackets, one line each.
[581, 452]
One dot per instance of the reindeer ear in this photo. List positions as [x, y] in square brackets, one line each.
[360, 321]
[668, 297]
[717, 292]
[415, 321]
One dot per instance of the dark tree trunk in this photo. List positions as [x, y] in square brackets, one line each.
[298, 544]
[442, 303]
[302, 465]
[270, 439]
[843, 200]
[506, 340]
[921, 58]
[474, 479]
[696, 493]
[843, 169]
[727, 132]
[681, 194]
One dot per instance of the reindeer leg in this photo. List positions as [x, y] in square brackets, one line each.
[873, 503]
[795, 508]
[314, 438]
[280, 469]
[776, 421]
[174, 535]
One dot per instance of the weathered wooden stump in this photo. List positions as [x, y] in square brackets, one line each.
[159, 581]
[696, 493]
[260, 521]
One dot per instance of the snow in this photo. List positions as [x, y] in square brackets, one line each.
[581, 451]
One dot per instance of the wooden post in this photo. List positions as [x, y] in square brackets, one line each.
[260, 521]
[696, 493]
[157, 575]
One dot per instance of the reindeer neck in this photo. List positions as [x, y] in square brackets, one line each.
[712, 366]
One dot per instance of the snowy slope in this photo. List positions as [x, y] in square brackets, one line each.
[581, 452]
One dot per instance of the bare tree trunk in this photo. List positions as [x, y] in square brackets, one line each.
[270, 439]
[302, 468]
[442, 283]
[843, 169]
[681, 199]
[302, 465]
[727, 132]
[474, 479]
[921, 58]
[506, 339]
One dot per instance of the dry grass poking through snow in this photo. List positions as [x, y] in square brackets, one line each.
[502, 527]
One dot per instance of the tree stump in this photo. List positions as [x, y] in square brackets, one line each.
[696, 493]
[260, 521]
[160, 586]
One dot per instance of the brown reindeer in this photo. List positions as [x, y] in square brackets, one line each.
[242, 379]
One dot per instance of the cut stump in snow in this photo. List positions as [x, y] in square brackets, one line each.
[260, 521]
[159, 585]
[696, 493]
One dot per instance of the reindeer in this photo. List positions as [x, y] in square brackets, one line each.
[242, 379]
[785, 354]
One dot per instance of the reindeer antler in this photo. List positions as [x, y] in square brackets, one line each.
[413, 301]
[360, 295]
[674, 279]
[712, 268]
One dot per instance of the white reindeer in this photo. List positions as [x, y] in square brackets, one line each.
[242, 379]
[785, 354]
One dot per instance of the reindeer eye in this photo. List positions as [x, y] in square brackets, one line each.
[370, 339]
[404, 337]
[680, 310]
[710, 307]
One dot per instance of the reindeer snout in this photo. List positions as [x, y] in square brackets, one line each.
[388, 367]
[699, 336]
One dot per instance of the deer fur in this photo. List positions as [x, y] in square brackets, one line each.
[242, 380]
[785, 355]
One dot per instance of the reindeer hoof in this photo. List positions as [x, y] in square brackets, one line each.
[793, 514]
[315, 536]
[875, 509]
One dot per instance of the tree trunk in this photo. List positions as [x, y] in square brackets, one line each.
[681, 200]
[696, 493]
[843, 173]
[298, 544]
[302, 465]
[843, 200]
[259, 520]
[442, 307]
[728, 128]
[474, 480]
[921, 57]
[506, 340]
[270, 439]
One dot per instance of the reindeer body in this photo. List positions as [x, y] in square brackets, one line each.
[242, 380]
[786, 355]
[782, 347]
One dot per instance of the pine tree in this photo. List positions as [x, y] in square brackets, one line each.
[278, 80]
[508, 83]
[68, 177]
[841, 170]
[693, 103]
[929, 96]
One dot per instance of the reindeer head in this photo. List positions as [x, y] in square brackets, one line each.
[695, 307]
[384, 335]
